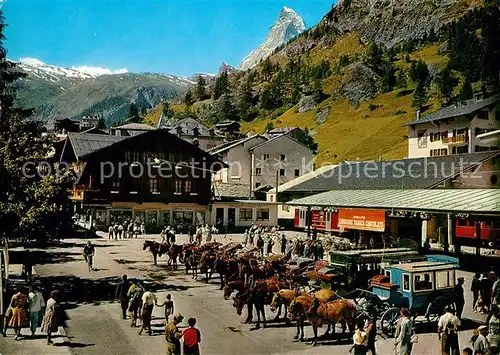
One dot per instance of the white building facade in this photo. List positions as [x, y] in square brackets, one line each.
[455, 129]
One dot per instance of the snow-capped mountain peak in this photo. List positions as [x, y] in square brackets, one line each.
[289, 25]
[52, 73]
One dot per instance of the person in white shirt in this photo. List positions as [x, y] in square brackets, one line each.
[481, 344]
[448, 325]
[148, 302]
[35, 303]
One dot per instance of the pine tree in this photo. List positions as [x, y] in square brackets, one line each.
[102, 123]
[374, 57]
[466, 92]
[306, 139]
[221, 86]
[419, 73]
[224, 108]
[266, 99]
[201, 88]
[267, 69]
[490, 60]
[269, 126]
[188, 98]
[167, 112]
[133, 114]
[401, 79]
[34, 203]
[244, 99]
[446, 82]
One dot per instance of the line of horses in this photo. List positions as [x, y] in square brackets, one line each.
[259, 282]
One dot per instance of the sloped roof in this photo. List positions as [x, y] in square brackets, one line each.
[188, 124]
[162, 122]
[281, 136]
[87, 143]
[454, 200]
[231, 190]
[459, 109]
[220, 149]
[282, 130]
[410, 173]
[136, 127]
[288, 185]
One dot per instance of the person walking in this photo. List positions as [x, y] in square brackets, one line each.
[110, 232]
[148, 302]
[458, 293]
[283, 244]
[169, 307]
[360, 340]
[270, 244]
[35, 303]
[481, 344]
[131, 230]
[192, 338]
[404, 333]
[19, 317]
[28, 265]
[448, 325]
[135, 304]
[120, 231]
[8, 315]
[88, 253]
[486, 285]
[475, 289]
[173, 335]
[115, 231]
[260, 244]
[49, 323]
[371, 333]
[122, 295]
[494, 326]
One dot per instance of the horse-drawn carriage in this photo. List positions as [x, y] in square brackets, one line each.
[424, 287]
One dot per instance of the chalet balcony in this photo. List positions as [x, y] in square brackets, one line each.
[455, 140]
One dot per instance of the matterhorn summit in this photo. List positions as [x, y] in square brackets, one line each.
[288, 26]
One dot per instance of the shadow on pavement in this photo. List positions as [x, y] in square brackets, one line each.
[73, 345]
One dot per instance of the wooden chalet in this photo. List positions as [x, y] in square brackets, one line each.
[120, 178]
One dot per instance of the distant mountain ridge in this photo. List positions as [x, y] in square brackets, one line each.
[289, 25]
[55, 92]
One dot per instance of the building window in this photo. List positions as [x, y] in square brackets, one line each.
[265, 157]
[246, 214]
[282, 157]
[406, 282]
[497, 115]
[482, 115]
[478, 148]
[460, 150]
[262, 214]
[423, 281]
[257, 184]
[282, 172]
[258, 171]
[153, 186]
[297, 172]
[188, 186]
[178, 186]
[439, 152]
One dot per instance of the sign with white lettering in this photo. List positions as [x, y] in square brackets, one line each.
[369, 220]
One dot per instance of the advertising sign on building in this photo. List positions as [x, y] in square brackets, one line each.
[368, 220]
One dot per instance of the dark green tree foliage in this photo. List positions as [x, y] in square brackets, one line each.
[133, 114]
[464, 51]
[466, 92]
[401, 79]
[266, 99]
[244, 100]
[374, 57]
[306, 139]
[318, 93]
[188, 98]
[420, 75]
[201, 88]
[34, 203]
[102, 123]
[277, 88]
[490, 59]
[269, 126]
[221, 86]
[344, 60]
[446, 82]
[382, 62]
[224, 108]
[321, 71]
[167, 111]
[267, 69]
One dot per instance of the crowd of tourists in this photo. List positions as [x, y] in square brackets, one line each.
[127, 229]
[138, 301]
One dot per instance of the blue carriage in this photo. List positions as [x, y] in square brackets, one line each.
[424, 287]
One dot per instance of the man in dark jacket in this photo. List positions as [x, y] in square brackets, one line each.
[122, 295]
[459, 297]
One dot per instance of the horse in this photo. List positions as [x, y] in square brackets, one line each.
[231, 286]
[208, 262]
[154, 248]
[319, 313]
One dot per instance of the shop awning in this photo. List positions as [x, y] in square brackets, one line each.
[482, 201]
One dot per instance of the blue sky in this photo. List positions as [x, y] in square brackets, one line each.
[179, 37]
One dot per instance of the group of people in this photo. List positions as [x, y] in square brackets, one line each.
[203, 233]
[485, 291]
[26, 310]
[127, 229]
[139, 301]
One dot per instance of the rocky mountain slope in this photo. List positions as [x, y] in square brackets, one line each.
[289, 25]
[56, 92]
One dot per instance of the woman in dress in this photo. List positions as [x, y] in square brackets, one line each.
[19, 315]
[49, 323]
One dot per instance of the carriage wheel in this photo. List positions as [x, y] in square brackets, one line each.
[389, 320]
[435, 309]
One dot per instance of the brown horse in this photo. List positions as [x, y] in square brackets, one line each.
[154, 248]
[319, 313]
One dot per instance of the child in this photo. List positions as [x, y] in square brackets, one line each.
[192, 337]
[169, 307]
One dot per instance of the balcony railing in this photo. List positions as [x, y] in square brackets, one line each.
[456, 139]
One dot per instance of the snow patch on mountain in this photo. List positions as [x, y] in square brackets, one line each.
[289, 25]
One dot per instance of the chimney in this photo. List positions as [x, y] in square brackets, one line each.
[418, 114]
[196, 143]
[478, 97]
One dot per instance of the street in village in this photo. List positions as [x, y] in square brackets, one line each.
[97, 327]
